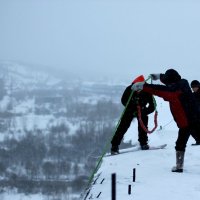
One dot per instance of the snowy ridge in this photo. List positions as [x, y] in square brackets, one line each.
[22, 76]
[39, 100]
[154, 179]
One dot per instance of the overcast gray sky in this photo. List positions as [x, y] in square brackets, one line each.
[105, 38]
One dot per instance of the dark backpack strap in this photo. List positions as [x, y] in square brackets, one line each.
[125, 95]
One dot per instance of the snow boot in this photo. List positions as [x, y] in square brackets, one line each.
[179, 162]
[114, 150]
[145, 147]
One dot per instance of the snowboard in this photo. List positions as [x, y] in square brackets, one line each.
[162, 146]
[137, 148]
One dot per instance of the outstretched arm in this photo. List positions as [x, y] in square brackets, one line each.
[162, 91]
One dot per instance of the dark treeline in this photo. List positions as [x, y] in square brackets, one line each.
[60, 157]
[57, 156]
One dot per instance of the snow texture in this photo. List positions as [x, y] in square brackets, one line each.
[154, 179]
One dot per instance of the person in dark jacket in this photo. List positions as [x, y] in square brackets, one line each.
[183, 107]
[145, 100]
[195, 85]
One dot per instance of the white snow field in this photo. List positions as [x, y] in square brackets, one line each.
[154, 179]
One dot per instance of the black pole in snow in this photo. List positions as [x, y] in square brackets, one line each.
[102, 180]
[98, 195]
[129, 189]
[113, 186]
[134, 174]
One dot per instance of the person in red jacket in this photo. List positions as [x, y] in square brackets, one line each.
[183, 107]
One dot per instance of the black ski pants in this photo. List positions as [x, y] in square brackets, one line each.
[125, 124]
[196, 132]
[184, 134]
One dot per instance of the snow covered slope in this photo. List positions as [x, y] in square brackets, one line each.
[19, 76]
[154, 179]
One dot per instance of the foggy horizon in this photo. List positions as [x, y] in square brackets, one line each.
[102, 39]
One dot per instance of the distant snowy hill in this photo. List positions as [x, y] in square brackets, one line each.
[20, 76]
[45, 122]
[154, 179]
[33, 99]
[22, 87]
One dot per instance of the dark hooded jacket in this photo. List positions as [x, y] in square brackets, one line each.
[144, 99]
[197, 97]
[196, 83]
[179, 95]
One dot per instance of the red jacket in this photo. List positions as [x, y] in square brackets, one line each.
[182, 103]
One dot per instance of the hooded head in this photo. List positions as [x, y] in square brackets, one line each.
[170, 76]
[138, 79]
[195, 83]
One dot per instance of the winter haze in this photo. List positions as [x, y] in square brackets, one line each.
[52, 131]
[113, 39]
